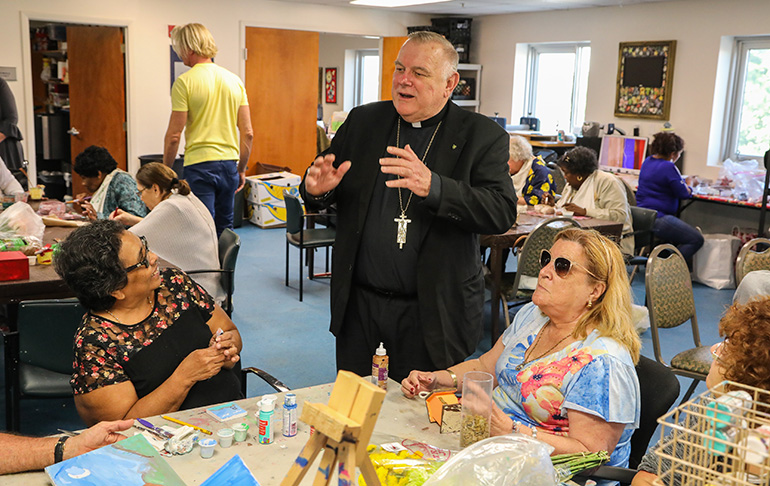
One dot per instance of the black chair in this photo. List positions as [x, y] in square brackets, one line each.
[39, 353]
[271, 380]
[229, 246]
[303, 238]
[659, 389]
[643, 221]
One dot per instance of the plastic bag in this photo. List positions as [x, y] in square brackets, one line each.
[506, 460]
[396, 465]
[21, 229]
[747, 179]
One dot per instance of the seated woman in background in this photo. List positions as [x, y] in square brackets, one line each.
[147, 344]
[111, 188]
[661, 186]
[742, 357]
[178, 228]
[532, 180]
[564, 370]
[595, 193]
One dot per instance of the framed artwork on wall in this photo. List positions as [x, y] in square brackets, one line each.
[331, 85]
[645, 77]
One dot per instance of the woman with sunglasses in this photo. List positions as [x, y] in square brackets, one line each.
[564, 370]
[179, 227]
[150, 342]
[742, 357]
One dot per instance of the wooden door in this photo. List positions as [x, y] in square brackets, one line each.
[390, 48]
[281, 83]
[97, 92]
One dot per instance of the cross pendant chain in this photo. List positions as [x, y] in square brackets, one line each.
[401, 233]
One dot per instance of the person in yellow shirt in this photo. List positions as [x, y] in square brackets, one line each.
[209, 103]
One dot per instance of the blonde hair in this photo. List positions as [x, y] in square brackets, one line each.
[610, 315]
[519, 149]
[447, 49]
[194, 38]
[163, 176]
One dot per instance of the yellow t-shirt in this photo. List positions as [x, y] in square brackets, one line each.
[211, 95]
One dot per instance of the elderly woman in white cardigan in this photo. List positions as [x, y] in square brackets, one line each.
[178, 228]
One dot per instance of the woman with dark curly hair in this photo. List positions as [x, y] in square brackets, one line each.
[149, 343]
[743, 357]
[661, 186]
[592, 192]
[110, 188]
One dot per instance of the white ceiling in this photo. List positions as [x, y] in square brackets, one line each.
[473, 8]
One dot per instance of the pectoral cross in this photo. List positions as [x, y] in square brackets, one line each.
[401, 233]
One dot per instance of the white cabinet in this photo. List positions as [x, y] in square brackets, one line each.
[467, 92]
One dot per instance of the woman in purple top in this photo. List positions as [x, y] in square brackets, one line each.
[661, 186]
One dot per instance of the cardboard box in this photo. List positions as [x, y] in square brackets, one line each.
[268, 188]
[14, 265]
[267, 215]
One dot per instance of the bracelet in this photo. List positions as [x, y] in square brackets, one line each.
[534, 432]
[58, 452]
[453, 376]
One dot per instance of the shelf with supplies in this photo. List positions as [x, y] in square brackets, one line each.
[467, 92]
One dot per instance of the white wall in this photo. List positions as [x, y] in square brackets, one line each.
[147, 21]
[332, 54]
[698, 26]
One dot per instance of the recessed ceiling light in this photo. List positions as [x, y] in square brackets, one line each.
[394, 3]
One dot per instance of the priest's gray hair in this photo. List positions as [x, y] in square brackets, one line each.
[450, 54]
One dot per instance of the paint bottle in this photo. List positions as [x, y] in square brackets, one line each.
[290, 415]
[266, 412]
[380, 367]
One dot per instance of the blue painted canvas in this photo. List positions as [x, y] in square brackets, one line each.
[233, 473]
[129, 462]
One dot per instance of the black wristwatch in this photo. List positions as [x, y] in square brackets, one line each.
[58, 452]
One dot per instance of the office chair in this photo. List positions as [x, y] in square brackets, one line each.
[39, 353]
[229, 246]
[671, 303]
[750, 258]
[304, 239]
[643, 220]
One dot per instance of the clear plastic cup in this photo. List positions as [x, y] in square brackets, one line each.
[476, 407]
[241, 432]
[207, 447]
[225, 437]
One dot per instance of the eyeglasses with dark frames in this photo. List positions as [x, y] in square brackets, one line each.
[561, 265]
[140, 191]
[144, 262]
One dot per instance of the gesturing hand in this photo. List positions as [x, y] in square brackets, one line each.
[322, 177]
[101, 434]
[415, 176]
[418, 381]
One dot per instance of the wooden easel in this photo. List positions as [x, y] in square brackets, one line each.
[342, 429]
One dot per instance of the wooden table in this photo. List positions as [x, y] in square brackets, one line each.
[525, 224]
[401, 420]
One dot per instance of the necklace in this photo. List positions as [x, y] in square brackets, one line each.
[402, 220]
[537, 340]
[149, 301]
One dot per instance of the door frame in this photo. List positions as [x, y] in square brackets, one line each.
[29, 105]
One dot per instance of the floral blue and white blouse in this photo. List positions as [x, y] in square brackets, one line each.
[594, 376]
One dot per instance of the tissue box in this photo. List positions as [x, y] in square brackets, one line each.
[14, 265]
[267, 215]
[268, 188]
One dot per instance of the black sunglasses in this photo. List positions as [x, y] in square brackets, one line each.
[144, 262]
[561, 265]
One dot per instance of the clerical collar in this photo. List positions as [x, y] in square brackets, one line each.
[430, 121]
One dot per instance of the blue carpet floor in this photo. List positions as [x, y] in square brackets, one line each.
[290, 339]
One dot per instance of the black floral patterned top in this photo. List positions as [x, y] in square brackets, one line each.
[105, 349]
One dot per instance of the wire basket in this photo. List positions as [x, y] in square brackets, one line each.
[720, 437]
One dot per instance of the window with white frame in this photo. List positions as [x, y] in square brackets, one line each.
[748, 123]
[557, 83]
[367, 79]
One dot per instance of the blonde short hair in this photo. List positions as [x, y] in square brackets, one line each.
[194, 38]
[611, 313]
[447, 49]
[519, 149]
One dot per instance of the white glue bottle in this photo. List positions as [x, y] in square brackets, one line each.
[380, 368]
[266, 411]
[290, 415]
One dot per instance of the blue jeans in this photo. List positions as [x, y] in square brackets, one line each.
[214, 183]
[671, 229]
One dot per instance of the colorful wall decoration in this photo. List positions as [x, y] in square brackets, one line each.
[331, 85]
[645, 77]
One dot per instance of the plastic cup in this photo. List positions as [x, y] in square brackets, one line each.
[476, 407]
[241, 432]
[207, 447]
[225, 437]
